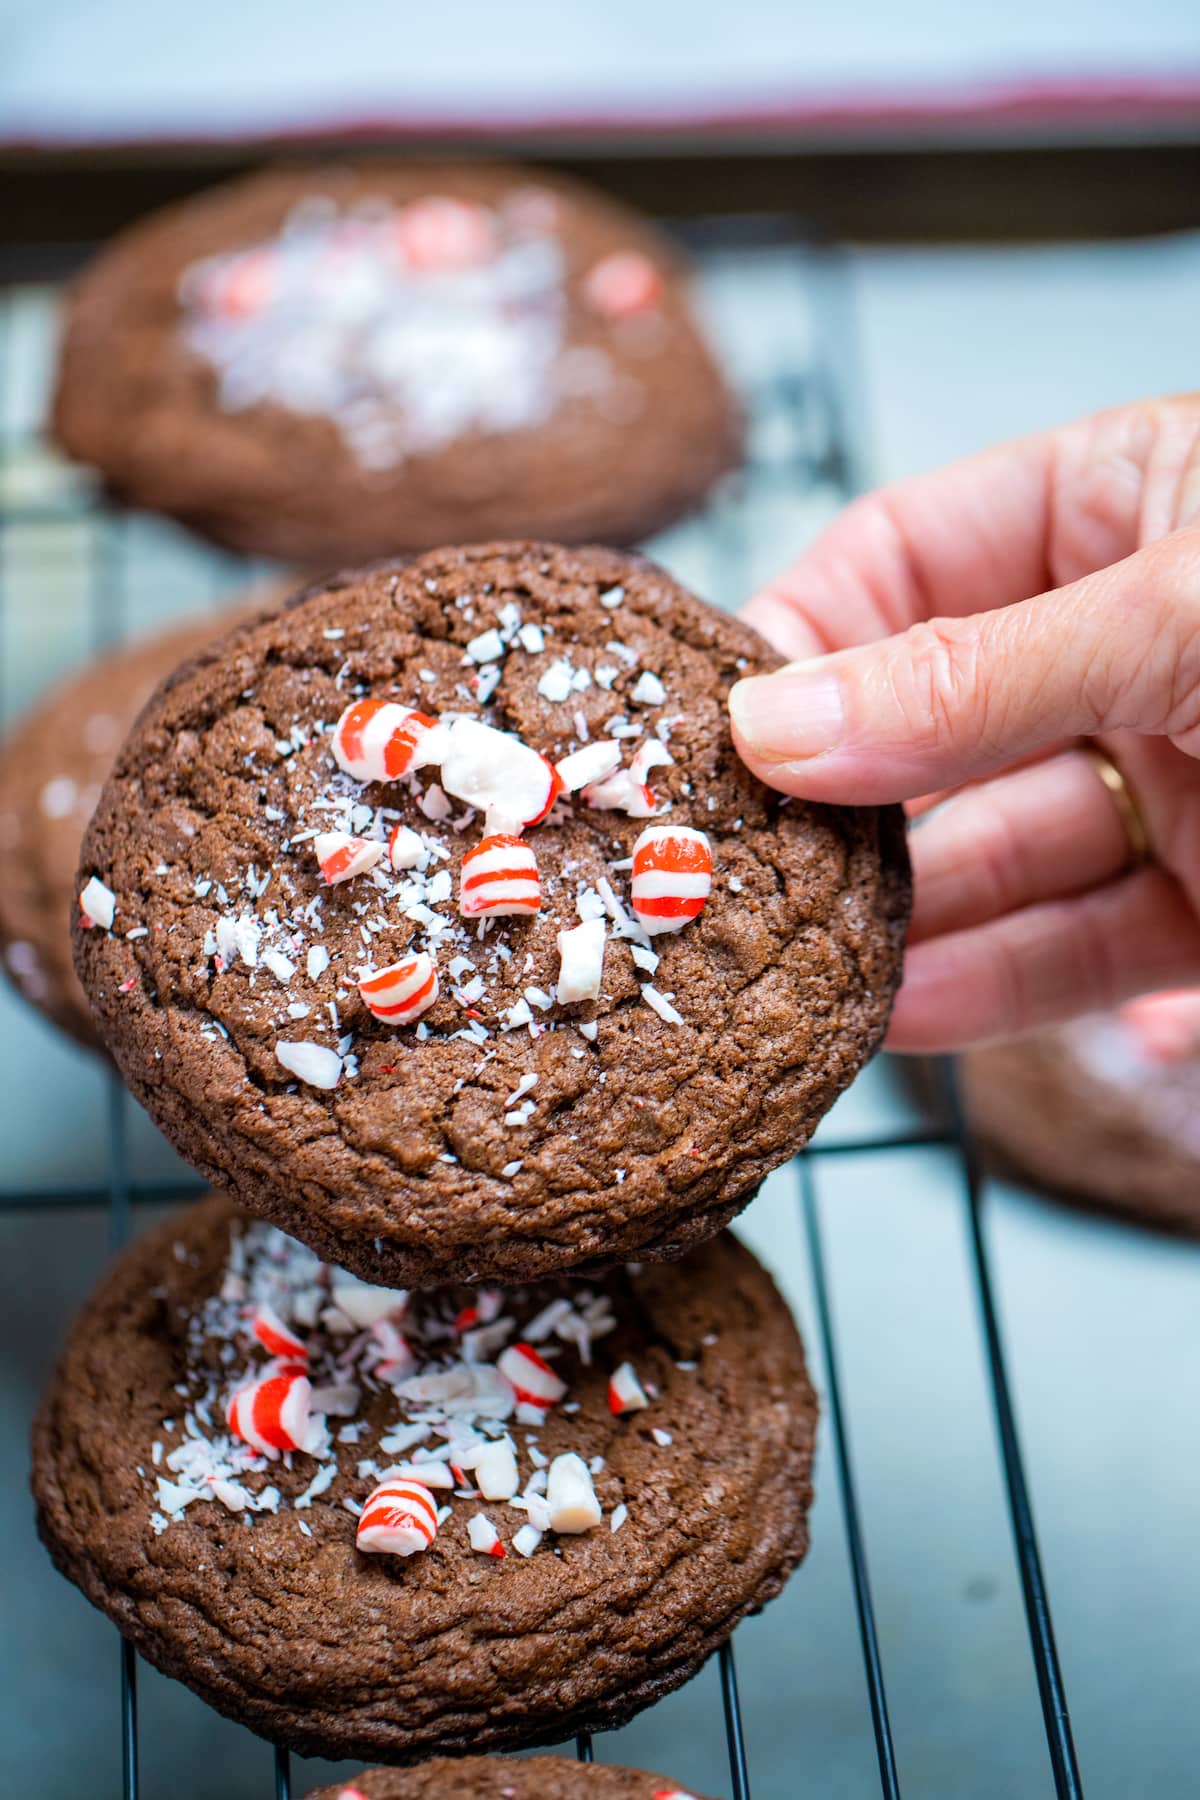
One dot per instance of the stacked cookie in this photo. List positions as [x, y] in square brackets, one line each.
[524, 1484]
[1102, 1111]
[434, 919]
[491, 1778]
[53, 763]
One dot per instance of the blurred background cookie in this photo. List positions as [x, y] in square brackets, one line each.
[1106, 1110]
[53, 763]
[339, 363]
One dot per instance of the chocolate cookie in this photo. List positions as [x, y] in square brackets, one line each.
[515, 1126]
[493, 1778]
[338, 363]
[585, 1487]
[52, 766]
[1102, 1111]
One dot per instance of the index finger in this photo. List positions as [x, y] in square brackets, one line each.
[993, 529]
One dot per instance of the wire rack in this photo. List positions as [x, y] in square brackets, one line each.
[797, 374]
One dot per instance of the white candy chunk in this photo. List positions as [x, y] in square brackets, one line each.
[433, 1473]
[592, 763]
[317, 961]
[405, 847]
[434, 804]
[661, 1005]
[532, 638]
[231, 1494]
[526, 1541]
[483, 1535]
[281, 966]
[648, 690]
[581, 961]
[555, 684]
[625, 1392]
[653, 754]
[312, 1063]
[536, 1511]
[487, 647]
[496, 1471]
[571, 1496]
[98, 903]
[495, 772]
[363, 1303]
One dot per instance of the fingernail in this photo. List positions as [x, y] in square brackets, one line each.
[797, 712]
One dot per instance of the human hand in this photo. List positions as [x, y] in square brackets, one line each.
[967, 634]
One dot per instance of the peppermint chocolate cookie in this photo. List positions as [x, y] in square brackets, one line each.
[496, 1778]
[439, 921]
[375, 1525]
[1105, 1110]
[334, 364]
[52, 766]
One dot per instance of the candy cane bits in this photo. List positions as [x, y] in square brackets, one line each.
[273, 1413]
[403, 991]
[500, 879]
[672, 876]
[399, 1519]
[379, 740]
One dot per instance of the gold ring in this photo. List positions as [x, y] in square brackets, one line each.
[1128, 810]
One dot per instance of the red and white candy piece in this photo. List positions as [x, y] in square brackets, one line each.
[514, 786]
[580, 962]
[483, 1536]
[658, 1794]
[97, 904]
[405, 848]
[620, 285]
[625, 1392]
[379, 740]
[275, 1337]
[440, 235]
[403, 991]
[342, 857]
[399, 1518]
[273, 1413]
[672, 876]
[533, 1380]
[570, 1495]
[243, 287]
[628, 790]
[353, 1793]
[499, 879]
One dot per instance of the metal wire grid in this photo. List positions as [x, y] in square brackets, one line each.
[817, 402]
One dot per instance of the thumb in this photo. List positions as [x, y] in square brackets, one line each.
[952, 699]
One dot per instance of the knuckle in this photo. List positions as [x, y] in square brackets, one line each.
[940, 683]
[1162, 638]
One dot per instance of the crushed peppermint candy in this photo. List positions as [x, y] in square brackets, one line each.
[581, 962]
[315, 1064]
[299, 1342]
[97, 904]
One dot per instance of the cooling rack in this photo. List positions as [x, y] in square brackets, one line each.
[780, 308]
